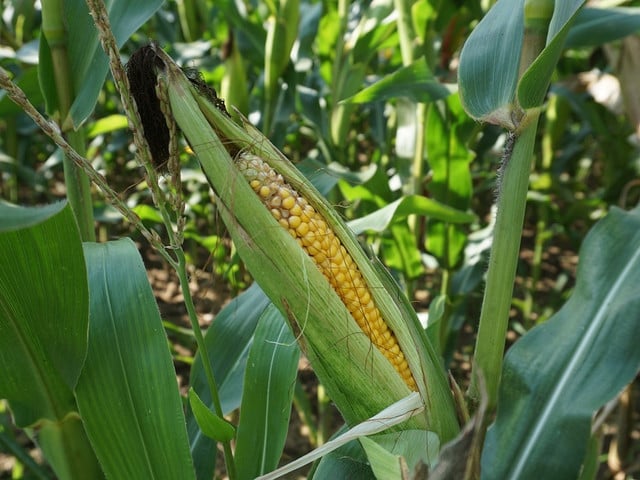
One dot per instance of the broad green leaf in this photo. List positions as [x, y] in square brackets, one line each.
[44, 313]
[561, 372]
[44, 308]
[211, 425]
[535, 81]
[228, 340]
[596, 26]
[268, 392]
[398, 210]
[414, 81]
[489, 62]
[88, 64]
[127, 393]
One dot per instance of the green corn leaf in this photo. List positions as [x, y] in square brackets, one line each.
[268, 392]
[44, 311]
[535, 81]
[385, 450]
[451, 183]
[596, 26]
[562, 371]
[44, 314]
[400, 209]
[490, 62]
[211, 425]
[228, 341]
[488, 73]
[349, 461]
[414, 81]
[107, 124]
[127, 394]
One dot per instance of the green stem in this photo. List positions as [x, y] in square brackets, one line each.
[77, 183]
[405, 30]
[342, 67]
[10, 188]
[193, 317]
[446, 314]
[512, 199]
[79, 187]
[502, 263]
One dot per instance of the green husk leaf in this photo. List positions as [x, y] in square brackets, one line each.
[340, 352]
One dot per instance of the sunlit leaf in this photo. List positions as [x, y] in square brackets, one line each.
[379, 220]
[107, 124]
[414, 81]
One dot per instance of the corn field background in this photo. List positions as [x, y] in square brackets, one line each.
[365, 99]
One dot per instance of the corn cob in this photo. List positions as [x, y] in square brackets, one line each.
[294, 213]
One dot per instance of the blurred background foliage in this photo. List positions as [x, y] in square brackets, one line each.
[361, 95]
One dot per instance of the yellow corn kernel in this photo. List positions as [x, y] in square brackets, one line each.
[319, 241]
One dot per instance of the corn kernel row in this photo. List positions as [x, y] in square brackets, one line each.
[300, 219]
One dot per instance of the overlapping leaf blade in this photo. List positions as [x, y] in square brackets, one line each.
[557, 375]
[127, 394]
[44, 307]
[595, 26]
[268, 393]
[489, 61]
[228, 342]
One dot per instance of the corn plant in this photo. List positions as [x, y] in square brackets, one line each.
[87, 370]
